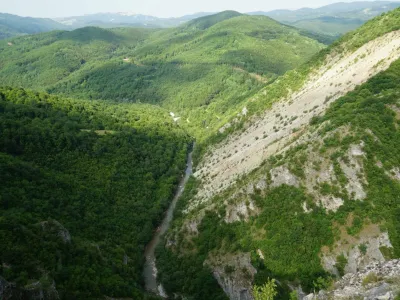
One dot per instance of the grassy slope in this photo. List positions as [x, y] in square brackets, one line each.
[197, 73]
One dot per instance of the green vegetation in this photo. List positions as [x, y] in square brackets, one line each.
[202, 71]
[266, 291]
[363, 249]
[370, 278]
[335, 19]
[285, 221]
[208, 21]
[341, 262]
[82, 187]
[332, 26]
[11, 25]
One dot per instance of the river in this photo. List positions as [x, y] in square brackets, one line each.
[150, 268]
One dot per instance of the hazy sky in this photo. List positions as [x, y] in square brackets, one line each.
[159, 8]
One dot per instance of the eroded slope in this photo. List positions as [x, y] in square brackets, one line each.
[245, 151]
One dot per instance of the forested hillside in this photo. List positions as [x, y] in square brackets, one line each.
[202, 70]
[82, 187]
[12, 25]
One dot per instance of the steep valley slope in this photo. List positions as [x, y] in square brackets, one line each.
[306, 191]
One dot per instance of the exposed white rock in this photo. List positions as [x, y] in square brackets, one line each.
[395, 173]
[385, 284]
[352, 170]
[240, 211]
[225, 127]
[281, 175]
[192, 226]
[309, 101]
[358, 260]
[250, 189]
[356, 150]
[331, 203]
[305, 208]
[369, 238]
[262, 184]
[237, 283]
[329, 264]
[260, 254]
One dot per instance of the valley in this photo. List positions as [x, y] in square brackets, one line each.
[213, 156]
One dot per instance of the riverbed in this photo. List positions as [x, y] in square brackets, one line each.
[150, 267]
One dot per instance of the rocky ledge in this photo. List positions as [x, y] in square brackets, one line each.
[378, 281]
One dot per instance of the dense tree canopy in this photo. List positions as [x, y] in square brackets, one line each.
[81, 191]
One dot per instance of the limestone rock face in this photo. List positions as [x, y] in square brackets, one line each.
[281, 175]
[376, 281]
[234, 274]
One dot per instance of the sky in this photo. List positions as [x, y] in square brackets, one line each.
[158, 8]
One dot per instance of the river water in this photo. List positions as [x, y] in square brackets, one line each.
[150, 268]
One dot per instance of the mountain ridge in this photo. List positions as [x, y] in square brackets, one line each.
[12, 25]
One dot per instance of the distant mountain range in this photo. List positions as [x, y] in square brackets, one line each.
[332, 20]
[126, 19]
[12, 25]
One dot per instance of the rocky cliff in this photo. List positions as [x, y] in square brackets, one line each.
[377, 281]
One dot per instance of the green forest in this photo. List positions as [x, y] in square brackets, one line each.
[83, 185]
[203, 71]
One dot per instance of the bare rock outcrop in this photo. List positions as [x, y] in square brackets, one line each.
[234, 274]
[376, 281]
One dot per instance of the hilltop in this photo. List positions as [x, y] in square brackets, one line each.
[12, 25]
[201, 70]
